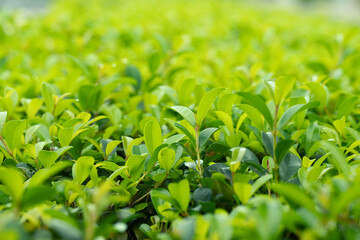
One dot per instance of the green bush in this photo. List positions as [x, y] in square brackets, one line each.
[178, 120]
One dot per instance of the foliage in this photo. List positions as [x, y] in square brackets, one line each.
[178, 120]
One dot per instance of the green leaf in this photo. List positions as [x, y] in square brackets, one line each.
[299, 117]
[82, 168]
[65, 136]
[257, 102]
[205, 104]
[347, 106]
[65, 229]
[111, 146]
[166, 158]
[283, 86]
[320, 92]
[226, 119]
[205, 135]
[295, 195]
[186, 132]
[14, 182]
[290, 112]
[269, 219]
[289, 166]
[47, 158]
[268, 140]
[30, 133]
[149, 163]
[340, 126]
[259, 182]
[62, 150]
[13, 132]
[174, 139]
[312, 136]
[2, 120]
[159, 197]
[253, 114]
[186, 113]
[116, 173]
[133, 72]
[47, 92]
[202, 194]
[338, 158]
[90, 97]
[185, 91]
[62, 106]
[36, 195]
[237, 156]
[154, 62]
[243, 191]
[135, 164]
[43, 174]
[282, 148]
[181, 193]
[33, 107]
[226, 102]
[341, 204]
[111, 166]
[152, 134]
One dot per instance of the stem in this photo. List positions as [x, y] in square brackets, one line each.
[276, 168]
[198, 150]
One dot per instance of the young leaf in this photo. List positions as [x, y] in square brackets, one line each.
[111, 146]
[338, 158]
[226, 119]
[186, 113]
[47, 92]
[253, 114]
[47, 158]
[2, 120]
[13, 132]
[166, 158]
[181, 193]
[14, 182]
[347, 106]
[185, 90]
[65, 136]
[30, 133]
[205, 104]
[320, 92]
[243, 191]
[283, 86]
[33, 107]
[257, 102]
[237, 156]
[135, 164]
[292, 111]
[82, 168]
[340, 126]
[259, 182]
[226, 102]
[152, 134]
